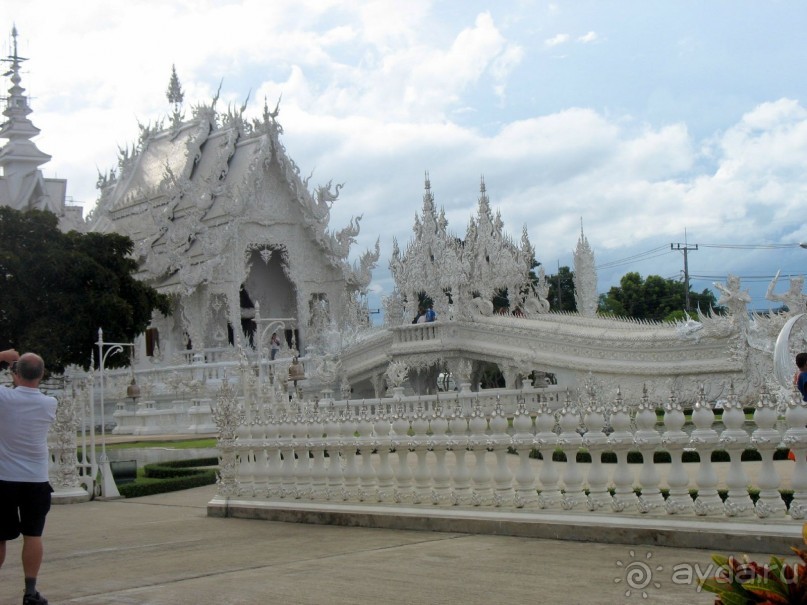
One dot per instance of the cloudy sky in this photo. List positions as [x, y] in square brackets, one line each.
[655, 123]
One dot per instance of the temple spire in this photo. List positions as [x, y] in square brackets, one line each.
[175, 93]
[428, 198]
[19, 158]
[484, 202]
[175, 96]
[585, 277]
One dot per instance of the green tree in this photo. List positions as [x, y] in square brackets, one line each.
[561, 290]
[57, 289]
[653, 298]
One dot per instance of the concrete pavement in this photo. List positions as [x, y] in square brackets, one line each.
[164, 549]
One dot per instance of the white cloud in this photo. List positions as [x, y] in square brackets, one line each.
[388, 25]
[503, 65]
[631, 185]
[374, 93]
[655, 154]
[557, 40]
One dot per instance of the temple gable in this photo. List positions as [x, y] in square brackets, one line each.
[217, 210]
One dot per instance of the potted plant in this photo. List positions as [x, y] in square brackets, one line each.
[744, 582]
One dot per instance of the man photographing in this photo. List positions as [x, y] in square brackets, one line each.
[25, 418]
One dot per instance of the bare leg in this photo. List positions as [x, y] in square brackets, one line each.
[31, 555]
[2, 552]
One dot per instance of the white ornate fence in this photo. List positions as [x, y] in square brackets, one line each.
[458, 450]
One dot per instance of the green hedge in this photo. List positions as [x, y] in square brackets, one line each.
[171, 476]
[190, 463]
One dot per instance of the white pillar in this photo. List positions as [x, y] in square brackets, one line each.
[766, 438]
[734, 439]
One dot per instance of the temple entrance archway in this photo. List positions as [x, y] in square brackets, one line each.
[267, 283]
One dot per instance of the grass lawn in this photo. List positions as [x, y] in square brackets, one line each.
[179, 445]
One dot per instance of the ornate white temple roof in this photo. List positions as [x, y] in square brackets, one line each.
[187, 189]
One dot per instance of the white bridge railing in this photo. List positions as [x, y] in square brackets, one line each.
[459, 450]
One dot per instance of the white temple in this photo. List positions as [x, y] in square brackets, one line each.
[225, 225]
[223, 222]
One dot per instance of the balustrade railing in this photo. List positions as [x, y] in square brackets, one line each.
[459, 402]
[473, 450]
[417, 332]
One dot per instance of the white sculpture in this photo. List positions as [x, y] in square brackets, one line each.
[794, 299]
[734, 299]
[454, 272]
[396, 373]
[585, 278]
[484, 307]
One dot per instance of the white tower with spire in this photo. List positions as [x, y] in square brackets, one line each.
[585, 277]
[22, 185]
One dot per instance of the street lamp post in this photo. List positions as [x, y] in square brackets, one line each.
[105, 349]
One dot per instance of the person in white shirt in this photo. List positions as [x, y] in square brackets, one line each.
[25, 419]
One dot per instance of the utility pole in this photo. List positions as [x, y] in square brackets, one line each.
[685, 248]
[560, 295]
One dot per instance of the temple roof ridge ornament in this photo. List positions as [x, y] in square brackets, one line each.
[175, 96]
[484, 201]
[428, 210]
[269, 123]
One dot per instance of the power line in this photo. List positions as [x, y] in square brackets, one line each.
[750, 246]
[662, 251]
[641, 256]
[653, 253]
[746, 278]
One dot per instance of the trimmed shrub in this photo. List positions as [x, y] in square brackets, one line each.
[177, 468]
[171, 476]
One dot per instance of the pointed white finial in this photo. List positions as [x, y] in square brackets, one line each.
[175, 93]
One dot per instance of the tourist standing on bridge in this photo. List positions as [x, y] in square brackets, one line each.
[25, 418]
[274, 344]
[800, 379]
